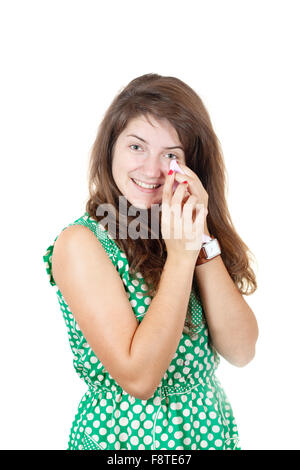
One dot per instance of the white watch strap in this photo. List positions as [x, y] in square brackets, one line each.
[206, 238]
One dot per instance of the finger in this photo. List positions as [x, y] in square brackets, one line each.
[167, 189]
[179, 193]
[190, 176]
[200, 217]
[186, 169]
[181, 178]
[192, 184]
[190, 206]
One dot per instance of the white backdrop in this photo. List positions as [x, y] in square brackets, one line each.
[62, 64]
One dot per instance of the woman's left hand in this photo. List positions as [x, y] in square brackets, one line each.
[194, 188]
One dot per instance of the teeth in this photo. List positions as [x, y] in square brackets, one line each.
[148, 186]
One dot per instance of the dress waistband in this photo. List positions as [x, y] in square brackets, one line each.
[162, 391]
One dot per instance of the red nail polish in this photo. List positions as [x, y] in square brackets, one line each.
[170, 172]
[185, 182]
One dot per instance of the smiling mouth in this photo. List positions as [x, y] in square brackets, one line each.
[149, 187]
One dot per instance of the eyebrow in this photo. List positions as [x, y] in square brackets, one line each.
[169, 148]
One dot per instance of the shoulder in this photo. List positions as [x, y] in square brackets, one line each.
[79, 240]
[73, 234]
[77, 247]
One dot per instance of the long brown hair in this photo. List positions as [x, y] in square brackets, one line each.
[170, 98]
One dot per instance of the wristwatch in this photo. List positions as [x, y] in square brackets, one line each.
[210, 249]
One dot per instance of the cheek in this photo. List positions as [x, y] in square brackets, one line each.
[121, 166]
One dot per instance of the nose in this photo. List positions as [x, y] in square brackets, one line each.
[153, 168]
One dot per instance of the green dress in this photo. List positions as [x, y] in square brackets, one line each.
[188, 410]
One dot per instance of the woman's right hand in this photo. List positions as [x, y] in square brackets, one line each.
[182, 221]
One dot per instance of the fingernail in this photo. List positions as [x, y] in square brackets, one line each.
[170, 172]
[185, 182]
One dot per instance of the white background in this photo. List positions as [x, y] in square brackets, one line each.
[62, 64]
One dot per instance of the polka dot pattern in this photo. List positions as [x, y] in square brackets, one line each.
[188, 410]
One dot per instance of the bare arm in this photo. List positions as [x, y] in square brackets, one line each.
[156, 339]
[231, 323]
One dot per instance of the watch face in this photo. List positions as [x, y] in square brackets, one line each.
[212, 249]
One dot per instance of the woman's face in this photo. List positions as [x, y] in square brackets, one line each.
[143, 152]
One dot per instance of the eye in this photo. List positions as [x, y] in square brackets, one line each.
[175, 156]
[134, 145]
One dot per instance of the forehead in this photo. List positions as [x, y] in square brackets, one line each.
[161, 128]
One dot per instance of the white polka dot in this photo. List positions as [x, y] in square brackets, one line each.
[123, 421]
[149, 409]
[117, 429]
[111, 438]
[176, 406]
[124, 406]
[148, 424]
[147, 440]
[177, 420]
[134, 440]
[156, 401]
[137, 409]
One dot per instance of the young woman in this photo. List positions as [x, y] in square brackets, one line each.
[149, 315]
